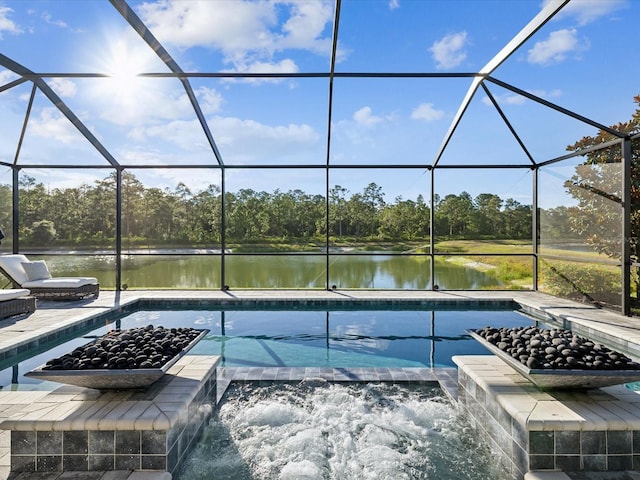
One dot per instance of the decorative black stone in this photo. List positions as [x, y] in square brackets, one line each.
[144, 347]
[555, 349]
[121, 359]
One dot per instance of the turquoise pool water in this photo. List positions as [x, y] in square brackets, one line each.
[275, 336]
[367, 338]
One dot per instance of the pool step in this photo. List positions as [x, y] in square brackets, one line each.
[447, 377]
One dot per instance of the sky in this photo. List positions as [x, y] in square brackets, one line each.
[584, 59]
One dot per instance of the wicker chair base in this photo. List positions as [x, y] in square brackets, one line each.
[57, 293]
[66, 293]
[17, 306]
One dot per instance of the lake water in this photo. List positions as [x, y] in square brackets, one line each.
[269, 271]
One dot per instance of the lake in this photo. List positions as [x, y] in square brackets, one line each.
[184, 271]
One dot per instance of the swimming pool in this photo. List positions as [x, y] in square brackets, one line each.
[366, 429]
[294, 335]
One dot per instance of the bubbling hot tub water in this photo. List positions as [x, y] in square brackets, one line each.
[320, 430]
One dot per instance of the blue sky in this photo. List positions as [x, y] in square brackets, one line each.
[584, 59]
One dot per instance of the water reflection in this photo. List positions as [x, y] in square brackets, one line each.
[273, 271]
[401, 336]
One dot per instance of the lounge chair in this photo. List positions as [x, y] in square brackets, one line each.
[15, 301]
[35, 276]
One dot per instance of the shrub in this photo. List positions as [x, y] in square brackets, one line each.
[580, 281]
[509, 270]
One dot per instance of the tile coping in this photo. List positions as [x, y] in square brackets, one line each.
[158, 408]
[75, 408]
[611, 408]
[17, 339]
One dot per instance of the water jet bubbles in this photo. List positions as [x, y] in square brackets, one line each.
[271, 414]
[307, 440]
[336, 432]
[300, 471]
[380, 461]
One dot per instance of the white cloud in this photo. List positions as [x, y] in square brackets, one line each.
[246, 32]
[239, 140]
[7, 76]
[46, 16]
[63, 87]
[393, 4]
[515, 99]
[187, 135]
[233, 129]
[209, 99]
[230, 26]
[6, 24]
[506, 99]
[304, 29]
[426, 111]
[284, 66]
[555, 48]
[449, 51]
[556, 92]
[587, 11]
[52, 124]
[146, 155]
[136, 104]
[246, 140]
[365, 117]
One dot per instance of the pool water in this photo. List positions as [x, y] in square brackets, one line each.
[317, 430]
[303, 338]
[336, 338]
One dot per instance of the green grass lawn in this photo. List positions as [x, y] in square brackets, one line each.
[516, 271]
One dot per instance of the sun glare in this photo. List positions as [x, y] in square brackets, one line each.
[123, 67]
[123, 71]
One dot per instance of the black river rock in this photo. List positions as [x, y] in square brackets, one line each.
[144, 347]
[555, 349]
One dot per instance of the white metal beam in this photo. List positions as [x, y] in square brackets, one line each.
[549, 10]
[136, 23]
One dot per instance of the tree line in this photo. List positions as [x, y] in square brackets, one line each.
[86, 215]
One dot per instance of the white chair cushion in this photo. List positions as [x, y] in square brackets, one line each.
[61, 282]
[13, 266]
[36, 270]
[13, 293]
